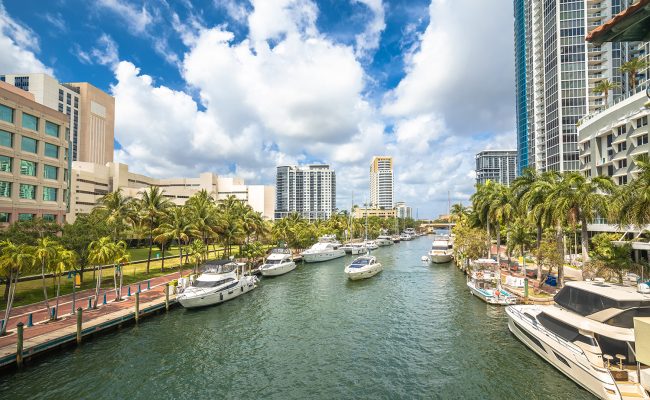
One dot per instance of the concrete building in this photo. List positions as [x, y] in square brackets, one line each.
[91, 181]
[91, 113]
[309, 191]
[497, 166]
[556, 72]
[33, 158]
[381, 182]
[359, 212]
[402, 210]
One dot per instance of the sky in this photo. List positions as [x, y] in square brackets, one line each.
[240, 87]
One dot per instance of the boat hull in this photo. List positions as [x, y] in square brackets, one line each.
[245, 284]
[504, 299]
[355, 274]
[384, 242]
[325, 256]
[440, 258]
[277, 269]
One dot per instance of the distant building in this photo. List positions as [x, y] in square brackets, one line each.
[381, 182]
[373, 212]
[309, 191]
[92, 181]
[91, 113]
[33, 162]
[496, 165]
[402, 210]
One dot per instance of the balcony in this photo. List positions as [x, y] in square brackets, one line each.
[644, 148]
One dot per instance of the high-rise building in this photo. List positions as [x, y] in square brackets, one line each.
[381, 182]
[402, 210]
[309, 191]
[91, 113]
[556, 72]
[33, 158]
[497, 166]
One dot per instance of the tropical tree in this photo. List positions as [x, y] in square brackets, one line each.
[120, 257]
[604, 86]
[549, 257]
[13, 259]
[46, 249]
[100, 253]
[469, 243]
[501, 211]
[201, 208]
[66, 260]
[197, 253]
[632, 201]
[610, 259]
[520, 237]
[632, 68]
[151, 206]
[177, 227]
[118, 209]
[458, 212]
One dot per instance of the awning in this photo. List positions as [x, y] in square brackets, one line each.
[630, 25]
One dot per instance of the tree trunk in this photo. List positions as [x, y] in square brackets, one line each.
[58, 291]
[560, 249]
[9, 303]
[584, 240]
[5, 296]
[150, 246]
[539, 235]
[98, 287]
[119, 296]
[498, 228]
[180, 259]
[162, 265]
[47, 303]
[489, 241]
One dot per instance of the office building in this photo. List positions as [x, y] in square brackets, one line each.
[309, 191]
[402, 210]
[91, 113]
[556, 72]
[381, 182]
[497, 166]
[384, 213]
[33, 158]
[92, 181]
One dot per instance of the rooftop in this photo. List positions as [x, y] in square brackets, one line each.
[611, 290]
[630, 25]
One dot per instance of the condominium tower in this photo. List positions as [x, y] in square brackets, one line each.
[556, 72]
[91, 113]
[497, 166]
[381, 182]
[309, 191]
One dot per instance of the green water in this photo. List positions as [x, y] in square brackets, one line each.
[412, 331]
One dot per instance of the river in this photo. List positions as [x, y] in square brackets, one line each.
[413, 331]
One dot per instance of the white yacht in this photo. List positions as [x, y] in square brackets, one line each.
[396, 238]
[363, 267]
[588, 334]
[279, 262]
[441, 249]
[405, 237]
[384, 240]
[217, 283]
[484, 284]
[355, 248]
[371, 245]
[327, 248]
[411, 232]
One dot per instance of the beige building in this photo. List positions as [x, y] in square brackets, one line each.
[91, 113]
[381, 182]
[33, 158]
[91, 181]
[373, 212]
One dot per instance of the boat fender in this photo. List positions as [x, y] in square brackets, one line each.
[242, 288]
[221, 296]
[496, 293]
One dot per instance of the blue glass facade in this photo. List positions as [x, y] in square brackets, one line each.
[520, 85]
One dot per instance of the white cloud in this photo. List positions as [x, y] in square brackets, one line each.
[272, 19]
[57, 21]
[105, 53]
[368, 40]
[136, 19]
[18, 46]
[235, 10]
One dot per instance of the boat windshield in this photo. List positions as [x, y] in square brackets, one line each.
[586, 303]
[626, 318]
[274, 261]
[210, 284]
[565, 331]
[279, 250]
[360, 262]
[439, 248]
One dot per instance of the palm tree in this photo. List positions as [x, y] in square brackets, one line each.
[459, 212]
[201, 209]
[177, 227]
[197, 253]
[65, 260]
[604, 87]
[632, 68]
[46, 254]
[632, 204]
[520, 236]
[481, 202]
[119, 209]
[121, 257]
[100, 252]
[13, 259]
[501, 211]
[151, 207]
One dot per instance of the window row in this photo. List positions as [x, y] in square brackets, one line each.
[29, 121]
[28, 192]
[29, 168]
[6, 217]
[29, 145]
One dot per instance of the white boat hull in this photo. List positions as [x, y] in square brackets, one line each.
[504, 299]
[323, 256]
[384, 242]
[244, 285]
[277, 269]
[440, 258]
[569, 361]
[355, 274]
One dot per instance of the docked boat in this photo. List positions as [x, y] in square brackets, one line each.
[279, 262]
[217, 283]
[396, 238]
[371, 245]
[484, 284]
[442, 249]
[405, 237]
[363, 267]
[411, 232]
[327, 248]
[355, 248]
[384, 240]
[588, 334]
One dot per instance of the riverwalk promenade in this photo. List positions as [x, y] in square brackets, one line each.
[40, 335]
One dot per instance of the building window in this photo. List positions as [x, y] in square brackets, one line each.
[68, 99]
[76, 102]
[6, 114]
[49, 194]
[25, 217]
[61, 107]
[51, 129]
[5, 164]
[49, 217]
[30, 122]
[51, 150]
[27, 192]
[643, 121]
[29, 145]
[65, 174]
[22, 82]
[50, 172]
[5, 189]
[27, 168]
[5, 217]
[60, 94]
[6, 139]
[641, 140]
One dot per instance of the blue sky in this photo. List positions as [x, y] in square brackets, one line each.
[238, 87]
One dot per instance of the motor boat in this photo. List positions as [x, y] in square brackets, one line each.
[384, 240]
[279, 262]
[396, 238]
[485, 285]
[411, 232]
[405, 237]
[371, 245]
[589, 335]
[442, 249]
[217, 283]
[363, 267]
[327, 248]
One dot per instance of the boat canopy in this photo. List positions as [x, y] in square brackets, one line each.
[585, 302]
[280, 250]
